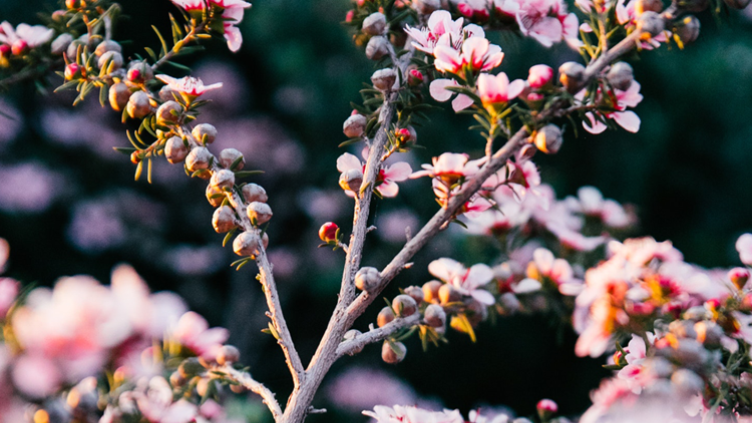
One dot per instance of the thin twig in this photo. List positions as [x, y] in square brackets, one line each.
[245, 379]
[376, 335]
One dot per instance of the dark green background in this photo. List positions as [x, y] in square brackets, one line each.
[687, 172]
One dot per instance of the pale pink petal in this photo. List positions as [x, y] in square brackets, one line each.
[399, 171]
[596, 127]
[627, 120]
[388, 189]
[438, 89]
[462, 102]
[525, 286]
[479, 275]
[483, 297]
[234, 38]
[347, 162]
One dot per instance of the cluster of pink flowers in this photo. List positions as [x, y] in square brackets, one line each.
[228, 14]
[17, 41]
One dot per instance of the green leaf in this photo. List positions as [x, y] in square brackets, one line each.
[228, 236]
[165, 49]
[67, 85]
[178, 65]
[244, 173]
[148, 172]
[151, 53]
[103, 91]
[125, 150]
[139, 170]
[351, 141]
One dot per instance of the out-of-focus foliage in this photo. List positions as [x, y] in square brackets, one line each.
[68, 204]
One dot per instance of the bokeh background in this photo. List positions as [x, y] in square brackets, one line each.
[69, 204]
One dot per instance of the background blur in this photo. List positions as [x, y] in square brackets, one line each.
[69, 205]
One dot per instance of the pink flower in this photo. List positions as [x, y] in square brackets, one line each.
[190, 5]
[497, 89]
[232, 14]
[386, 181]
[466, 281]
[24, 36]
[439, 92]
[744, 247]
[627, 15]
[193, 331]
[627, 119]
[441, 30]
[477, 53]
[402, 414]
[547, 22]
[523, 177]
[557, 271]
[450, 168]
[540, 76]
[36, 376]
[189, 87]
[507, 8]
[8, 292]
[591, 203]
[155, 402]
[474, 9]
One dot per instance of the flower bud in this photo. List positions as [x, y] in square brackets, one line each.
[119, 95]
[390, 356]
[205, 133]
[571, 76]
[549, 139]
[206, 387]
[739, 276]
[692, 5]
[175, 150]
[642, 6]
[377, 47]
[73, 71]
[166, 93]
[136, 157]
[139, 105]
[246, 244]
[106, 46]
[354, 126]
[349, 336]
[620, 76]
[328, 233]
[223, 219]
[61, 43]
[5, 51]
[255, 193]
[190, 368]
[223, 179]
[198, 159]
[139, 72]
[426, 7]
[228, 354]
[406, 136]
[708, 333]
[435, 316]
[447, 294]
[415, 78]
[431, 291]
[737, 4]
[259, 212]
[351, 180]
[349, 16]
[683, 329]
[238, 389]
[177, 380]
[404, 305]
[526, 153]
[72, 4]
[546, 408]
[386, 315]
[416, 292]
[383, 79]
[374, 24]
[112, 59]
[688, 29]
[367, 278]
[651, 23]
[540, 76]
[19, 47]
[476, 312]
[687, 382]
[82, 41]
[169, 113]
[228, 156]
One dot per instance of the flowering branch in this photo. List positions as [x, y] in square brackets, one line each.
[356, 344]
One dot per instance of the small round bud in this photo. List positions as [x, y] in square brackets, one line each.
[177, 380]
[136, 157]
[246, 244]
[688, 29]
[354, 126]
[223, 219]
[176, 150]
[228, 354]
[139, 72]
[349, 336]
[650, 23]
[416, 292]
[223, 179]
[328, 233]
[112, 60]
[259, 212]
[737, 4]
[549, 139]
[404, 305]
[119, 95]
[254, 193]
[351, 180]
[642, 6]
[106, 46]
[205, 133]
[238, 389]
[190, 367]
[214, 196]
[349, 16]
[384, 79]
[393, 353]
[265, 240]
[367, 279]
[431, 291]
[687, 382]
[166, 93]
[406, 136]
[205, 387]
[447, 294]
[571, 76]
[426, 7]
[139, 105]
[198, 159]
[708, 333]
[169, 113]
[693, 6]
[73, 71]
[72, 4]
[386, 315]
[739, 276]
[546, 409]
[61, 43]
[228, 156]
[374, 24]
[540, 76]
[82, 42]
[476, 312]
[415, 78]
[19, 47]
[5, 51]
[527, 152]
[435, 316]
[377, 47]
[620, 76]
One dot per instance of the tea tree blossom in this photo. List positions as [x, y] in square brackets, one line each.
[497, 89]
[386, 181]
[188, 87]
[477, 54]
[465, 281]
[627, 119]
[24, 36]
